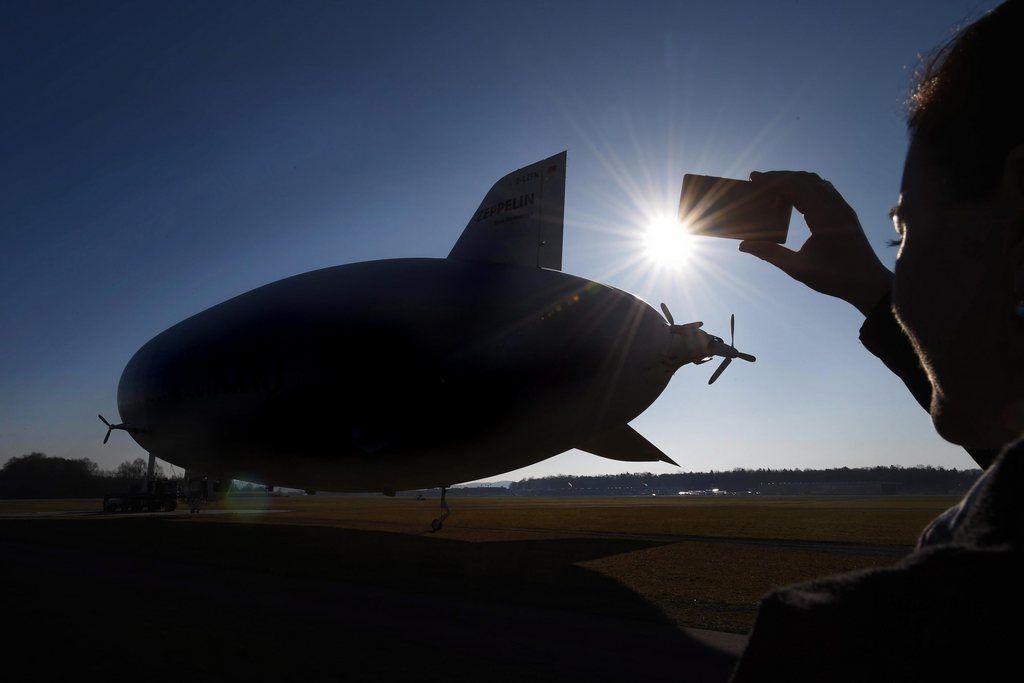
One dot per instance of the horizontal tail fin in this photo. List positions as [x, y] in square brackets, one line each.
[624, 444]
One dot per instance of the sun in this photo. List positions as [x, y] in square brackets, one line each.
[667, 243]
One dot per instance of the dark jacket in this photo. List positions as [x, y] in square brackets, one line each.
[951, 610]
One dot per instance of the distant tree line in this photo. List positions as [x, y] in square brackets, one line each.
[881, 480]
[40, 476]
[37, 475]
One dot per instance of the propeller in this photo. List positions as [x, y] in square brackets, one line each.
[716, 346]
[729, 352]
[719, 370]
[110, 427]
[728, 359]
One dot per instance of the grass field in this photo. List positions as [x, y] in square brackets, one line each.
[700, 562]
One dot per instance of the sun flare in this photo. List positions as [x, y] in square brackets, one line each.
[667, 243]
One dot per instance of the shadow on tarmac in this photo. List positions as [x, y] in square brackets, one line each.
[217, 599]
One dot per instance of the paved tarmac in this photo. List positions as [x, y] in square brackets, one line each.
[530, 639]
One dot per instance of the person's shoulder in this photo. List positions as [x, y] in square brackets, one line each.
[927, 573]
[914, 584]
[993, 514]
[941, 611]
[925, 616]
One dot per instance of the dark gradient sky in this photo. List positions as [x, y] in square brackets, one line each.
[158, 158]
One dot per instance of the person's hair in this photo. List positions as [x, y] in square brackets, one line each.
[963, 106]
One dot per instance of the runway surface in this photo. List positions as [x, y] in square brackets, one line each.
[109, 599]
[324, 588]
[549, 643]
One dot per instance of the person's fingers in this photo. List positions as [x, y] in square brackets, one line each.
[779, 256]
[801, 187]
[816, 198]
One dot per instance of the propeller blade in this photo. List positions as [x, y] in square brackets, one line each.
[718, 372]
[110, 428]
[668, 314]
[732, 330]
[745, 356]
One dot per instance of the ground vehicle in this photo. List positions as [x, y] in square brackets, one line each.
[158, 495]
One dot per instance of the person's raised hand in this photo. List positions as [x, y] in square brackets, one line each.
[836, 259]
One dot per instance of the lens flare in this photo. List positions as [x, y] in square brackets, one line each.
[667, 243]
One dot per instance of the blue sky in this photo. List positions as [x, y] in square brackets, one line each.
[158, 158]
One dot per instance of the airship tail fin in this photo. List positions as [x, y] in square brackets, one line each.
[520, 220]
[624, 443]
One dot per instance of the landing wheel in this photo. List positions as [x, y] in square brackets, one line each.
[445, 511]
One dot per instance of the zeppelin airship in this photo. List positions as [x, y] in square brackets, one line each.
[414, 373]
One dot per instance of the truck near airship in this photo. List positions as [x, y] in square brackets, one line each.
[414, 373]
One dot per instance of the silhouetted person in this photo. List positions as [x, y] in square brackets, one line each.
[952, 609]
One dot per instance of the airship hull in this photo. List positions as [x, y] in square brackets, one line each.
[396, 374]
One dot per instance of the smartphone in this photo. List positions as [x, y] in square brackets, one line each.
[734, 209]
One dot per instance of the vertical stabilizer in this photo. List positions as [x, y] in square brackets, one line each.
[520, 220]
